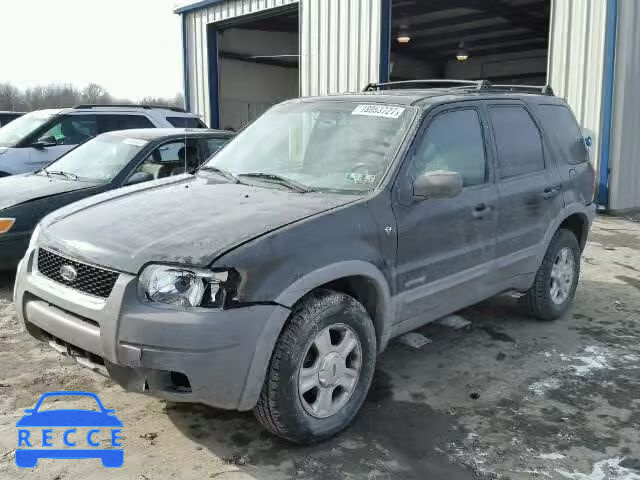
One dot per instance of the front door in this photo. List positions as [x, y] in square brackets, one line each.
[444, 244]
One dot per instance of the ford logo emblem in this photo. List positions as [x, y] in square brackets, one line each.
[68, 273]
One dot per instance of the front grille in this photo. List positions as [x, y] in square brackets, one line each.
[89, 279]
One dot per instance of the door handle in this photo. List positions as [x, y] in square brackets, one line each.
[551, 192]
[481, 211]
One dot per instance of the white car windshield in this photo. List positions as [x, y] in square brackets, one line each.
[99, 159]
[330, 146]
[14, 132]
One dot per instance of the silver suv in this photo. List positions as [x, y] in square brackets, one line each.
[36, 139]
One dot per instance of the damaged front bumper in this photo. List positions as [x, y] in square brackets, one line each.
[180, 355]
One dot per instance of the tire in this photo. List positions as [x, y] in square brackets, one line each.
[539, 299]
[283, 407]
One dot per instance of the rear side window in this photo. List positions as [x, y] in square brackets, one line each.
[109, 123]
[186, 122]
[518, 141]
[559, 120]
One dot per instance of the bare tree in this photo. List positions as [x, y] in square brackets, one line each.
[96, 94]
[11, 98]
[66, 95]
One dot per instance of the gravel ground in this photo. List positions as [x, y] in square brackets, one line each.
[505, 397]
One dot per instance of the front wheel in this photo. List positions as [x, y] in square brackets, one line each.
[557, 278]
[321, 369]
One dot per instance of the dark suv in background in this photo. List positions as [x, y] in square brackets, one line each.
[7, 117]
[272, 278]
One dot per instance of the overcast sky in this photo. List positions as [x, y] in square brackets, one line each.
[130, 47]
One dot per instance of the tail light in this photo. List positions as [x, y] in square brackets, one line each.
[595, 182]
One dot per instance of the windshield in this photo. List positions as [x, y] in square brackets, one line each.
[12, 133]
[326, 146]
[100, 159]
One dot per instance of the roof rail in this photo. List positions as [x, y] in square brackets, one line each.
[130, 105]
[430, 83]
[544, 89]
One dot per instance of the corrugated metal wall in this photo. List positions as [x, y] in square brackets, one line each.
[625, 146]
[340, 45]
[576, 60]
[196, 22]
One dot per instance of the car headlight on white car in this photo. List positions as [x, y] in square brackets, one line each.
[184, 286]
[34, 237]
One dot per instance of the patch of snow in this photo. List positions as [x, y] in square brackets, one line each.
[590, 359]
[414, 340]
[543, 386]
[551, 456]
[454, 321]
[604, 470]
[534, 473]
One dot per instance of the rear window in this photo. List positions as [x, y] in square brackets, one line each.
[186, 122]
[559, 120]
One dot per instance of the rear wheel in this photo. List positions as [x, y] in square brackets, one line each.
[321, 369]
[557, 278]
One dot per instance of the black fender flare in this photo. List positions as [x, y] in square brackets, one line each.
[287, 299]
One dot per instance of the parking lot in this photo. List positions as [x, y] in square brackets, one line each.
[506, 397]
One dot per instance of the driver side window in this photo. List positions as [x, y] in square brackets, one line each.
[172, 158]
[453, 142]
[72, 129]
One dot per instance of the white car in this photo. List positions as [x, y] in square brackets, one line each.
[36, 139]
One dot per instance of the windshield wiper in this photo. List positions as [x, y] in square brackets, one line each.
[272, 177]
[72, 176]
[228, 175]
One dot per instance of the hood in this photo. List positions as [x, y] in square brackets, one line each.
[191, 221]
[18, 189]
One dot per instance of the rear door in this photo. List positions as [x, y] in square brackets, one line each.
[443, 244]
[529, 184]
[573, 156]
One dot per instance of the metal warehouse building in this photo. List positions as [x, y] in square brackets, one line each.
[242, 56]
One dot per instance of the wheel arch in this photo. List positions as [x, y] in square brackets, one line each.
[354, 277]
[578, 224]
[359, 279]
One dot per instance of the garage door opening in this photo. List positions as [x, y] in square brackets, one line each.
[503, 41]
[257, 66]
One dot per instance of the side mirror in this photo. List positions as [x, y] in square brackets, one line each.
[437, 184]
[139, 177]
[45, 142]
[29, 410]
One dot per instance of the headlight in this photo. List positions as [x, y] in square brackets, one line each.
[34, 237]
[6, 224]
[183, 287]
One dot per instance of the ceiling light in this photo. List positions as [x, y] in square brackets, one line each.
[403, 35]
[463, 53]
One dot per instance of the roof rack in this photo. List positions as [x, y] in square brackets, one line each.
[544, 89]
[129, 105]
[461, 84]
[429, 83]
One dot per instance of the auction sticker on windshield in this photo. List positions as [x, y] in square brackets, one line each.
[378, 111]
[134, 141]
